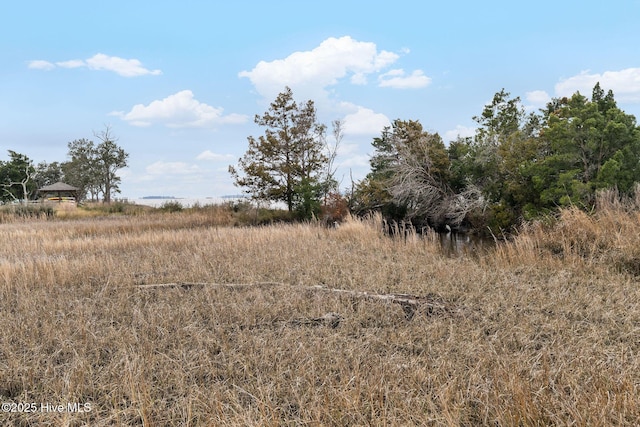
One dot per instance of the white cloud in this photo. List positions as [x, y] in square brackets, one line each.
[355, 161]
[459, 131]
[73, 63]
[170, 168]
[177, 111]
[100, 61]
[537, 99]
[365, 122]
[398, 80]
[123, 67]
[624, 83]
[309, 72]
[215, 157]
[40, 65]
[359, 79]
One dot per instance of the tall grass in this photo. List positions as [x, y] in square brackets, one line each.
[543, 330]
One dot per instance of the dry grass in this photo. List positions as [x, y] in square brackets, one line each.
[546, 329]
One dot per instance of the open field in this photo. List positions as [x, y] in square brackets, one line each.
[544, 330]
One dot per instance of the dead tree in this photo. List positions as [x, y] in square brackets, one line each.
[416, 183]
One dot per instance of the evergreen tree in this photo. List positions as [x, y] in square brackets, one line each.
[288, 157]
[593, 144]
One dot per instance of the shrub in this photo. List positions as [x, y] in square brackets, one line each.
[334, 209]
[171, 207]
[11, 212]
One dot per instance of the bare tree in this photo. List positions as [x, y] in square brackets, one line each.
[331, 150]
[28, 176]
[18, 171]
[419, 178]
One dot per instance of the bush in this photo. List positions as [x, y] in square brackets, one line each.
[97, 209]
[335, 209]
[11, 212]
[171, 207]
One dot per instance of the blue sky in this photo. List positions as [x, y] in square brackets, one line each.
[180, 82]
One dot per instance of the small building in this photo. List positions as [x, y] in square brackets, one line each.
[59, 193]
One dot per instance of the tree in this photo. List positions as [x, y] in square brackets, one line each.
[288, 158]
[109, 158]
[48, 173]
[410, 178]
[16, 178]
[503, 160]
[328, 181]
[516, 167]
[499, 123]
[79, 171]
[592, 144]
[372, 194]
[421, 175]
[93, 168]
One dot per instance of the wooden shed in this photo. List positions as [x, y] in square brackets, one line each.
[59, 192]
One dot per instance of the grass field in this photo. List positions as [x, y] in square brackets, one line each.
[542, 330]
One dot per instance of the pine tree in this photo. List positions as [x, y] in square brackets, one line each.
[288, 157]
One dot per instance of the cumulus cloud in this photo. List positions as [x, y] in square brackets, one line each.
[537, 99]
[179, 110]
[365, 121]
[123, 67]
[325, 65]
[398, 79]
[624, 83]
[459, 131]
[215, 157]
[100, 61]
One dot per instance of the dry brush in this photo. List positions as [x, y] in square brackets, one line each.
[540, 331]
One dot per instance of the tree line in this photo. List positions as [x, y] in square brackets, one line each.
[517, 167]
[91, 167]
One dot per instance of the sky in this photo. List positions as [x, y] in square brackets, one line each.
[179, 82]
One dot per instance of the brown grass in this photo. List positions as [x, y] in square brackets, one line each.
[546, 329]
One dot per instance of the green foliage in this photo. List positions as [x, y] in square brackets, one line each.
[529, 165]
[307, 199]
[109, 158]
[593, 144]
[171, 206]
[16, 178]
[500, 218]
[290, 152]
[461, 163]
[79, 171]
[48, 173]
[255, 216]
[415, 177]
[372, 193]
[93, 168]
[524, 165]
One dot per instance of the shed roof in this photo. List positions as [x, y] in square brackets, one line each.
[58, 186]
